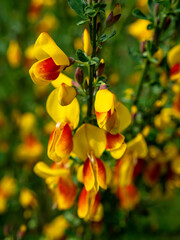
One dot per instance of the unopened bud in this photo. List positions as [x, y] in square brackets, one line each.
[79, 75]
[100, 69]
[99, 27]
[142, 46]
[114, 15]
[71, 61]
[167, 22]
[156, 9]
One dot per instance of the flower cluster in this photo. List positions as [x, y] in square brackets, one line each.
[73, 139]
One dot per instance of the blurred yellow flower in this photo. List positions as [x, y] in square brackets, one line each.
[28, 198]
[138, 29]
[56, 229]
[14, 54]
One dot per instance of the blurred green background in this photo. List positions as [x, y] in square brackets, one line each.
[25, 128]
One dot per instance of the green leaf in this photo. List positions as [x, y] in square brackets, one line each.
[105, 37]
[154, 60]
[150, 26]
[82, 22]
[82, 56]
[78, 7]
[137, 13]
[151, 5]
[90, 11]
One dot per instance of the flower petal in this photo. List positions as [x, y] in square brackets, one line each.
[69, 113]
[89, 139]
[44, 171]
[114, 141]
[44, 71]
[83, 206]
[173, 56]
[138, 145]
[104, 101]
[67, 193]
[123, 117]
[88, 175]
[64, 144]
[62, 79]
[46, 47]
[66, 94]
[118, 153]
[101, 174]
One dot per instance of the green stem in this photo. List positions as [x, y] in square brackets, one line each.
[92, 67]
[140, 85]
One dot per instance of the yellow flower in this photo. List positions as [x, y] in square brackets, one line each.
[67, 118]
[173, 59]
[59, 180]
[56, 229]
[138, 29]
[112, 116]
[89, 206]
[30, 150]
[47, 23]
[28, 198]
[136, 148]
[89, 144]
[8, 186]
[51, 60]
[14, 54]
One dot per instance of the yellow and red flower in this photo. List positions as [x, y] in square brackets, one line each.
[89, 206]
[59, 181]
[67, 117]
[173, 59]
[51, 60]
[112, 116]
[89, 144]
[128, 196]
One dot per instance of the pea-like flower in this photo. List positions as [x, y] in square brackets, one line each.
[89, 206]
[67, 118]
[112, 116]
[89, 144]
[173, 59]
[51, 60]
[59, 181]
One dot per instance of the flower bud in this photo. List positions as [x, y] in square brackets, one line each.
[71, 61]
[156, 9]
[114, 15]
[100, 69]
[142, 46]
[79, 75]
[86, 42]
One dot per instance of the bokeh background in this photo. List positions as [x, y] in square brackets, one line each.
[26, 206]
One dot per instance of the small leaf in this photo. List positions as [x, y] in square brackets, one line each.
[151, 5]
[96, 59]
[82, 56]
[150, 26]
[105, 37]
[78, 7]
[90, 11]
[137, 13]
[83, 22]
[154, 60]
